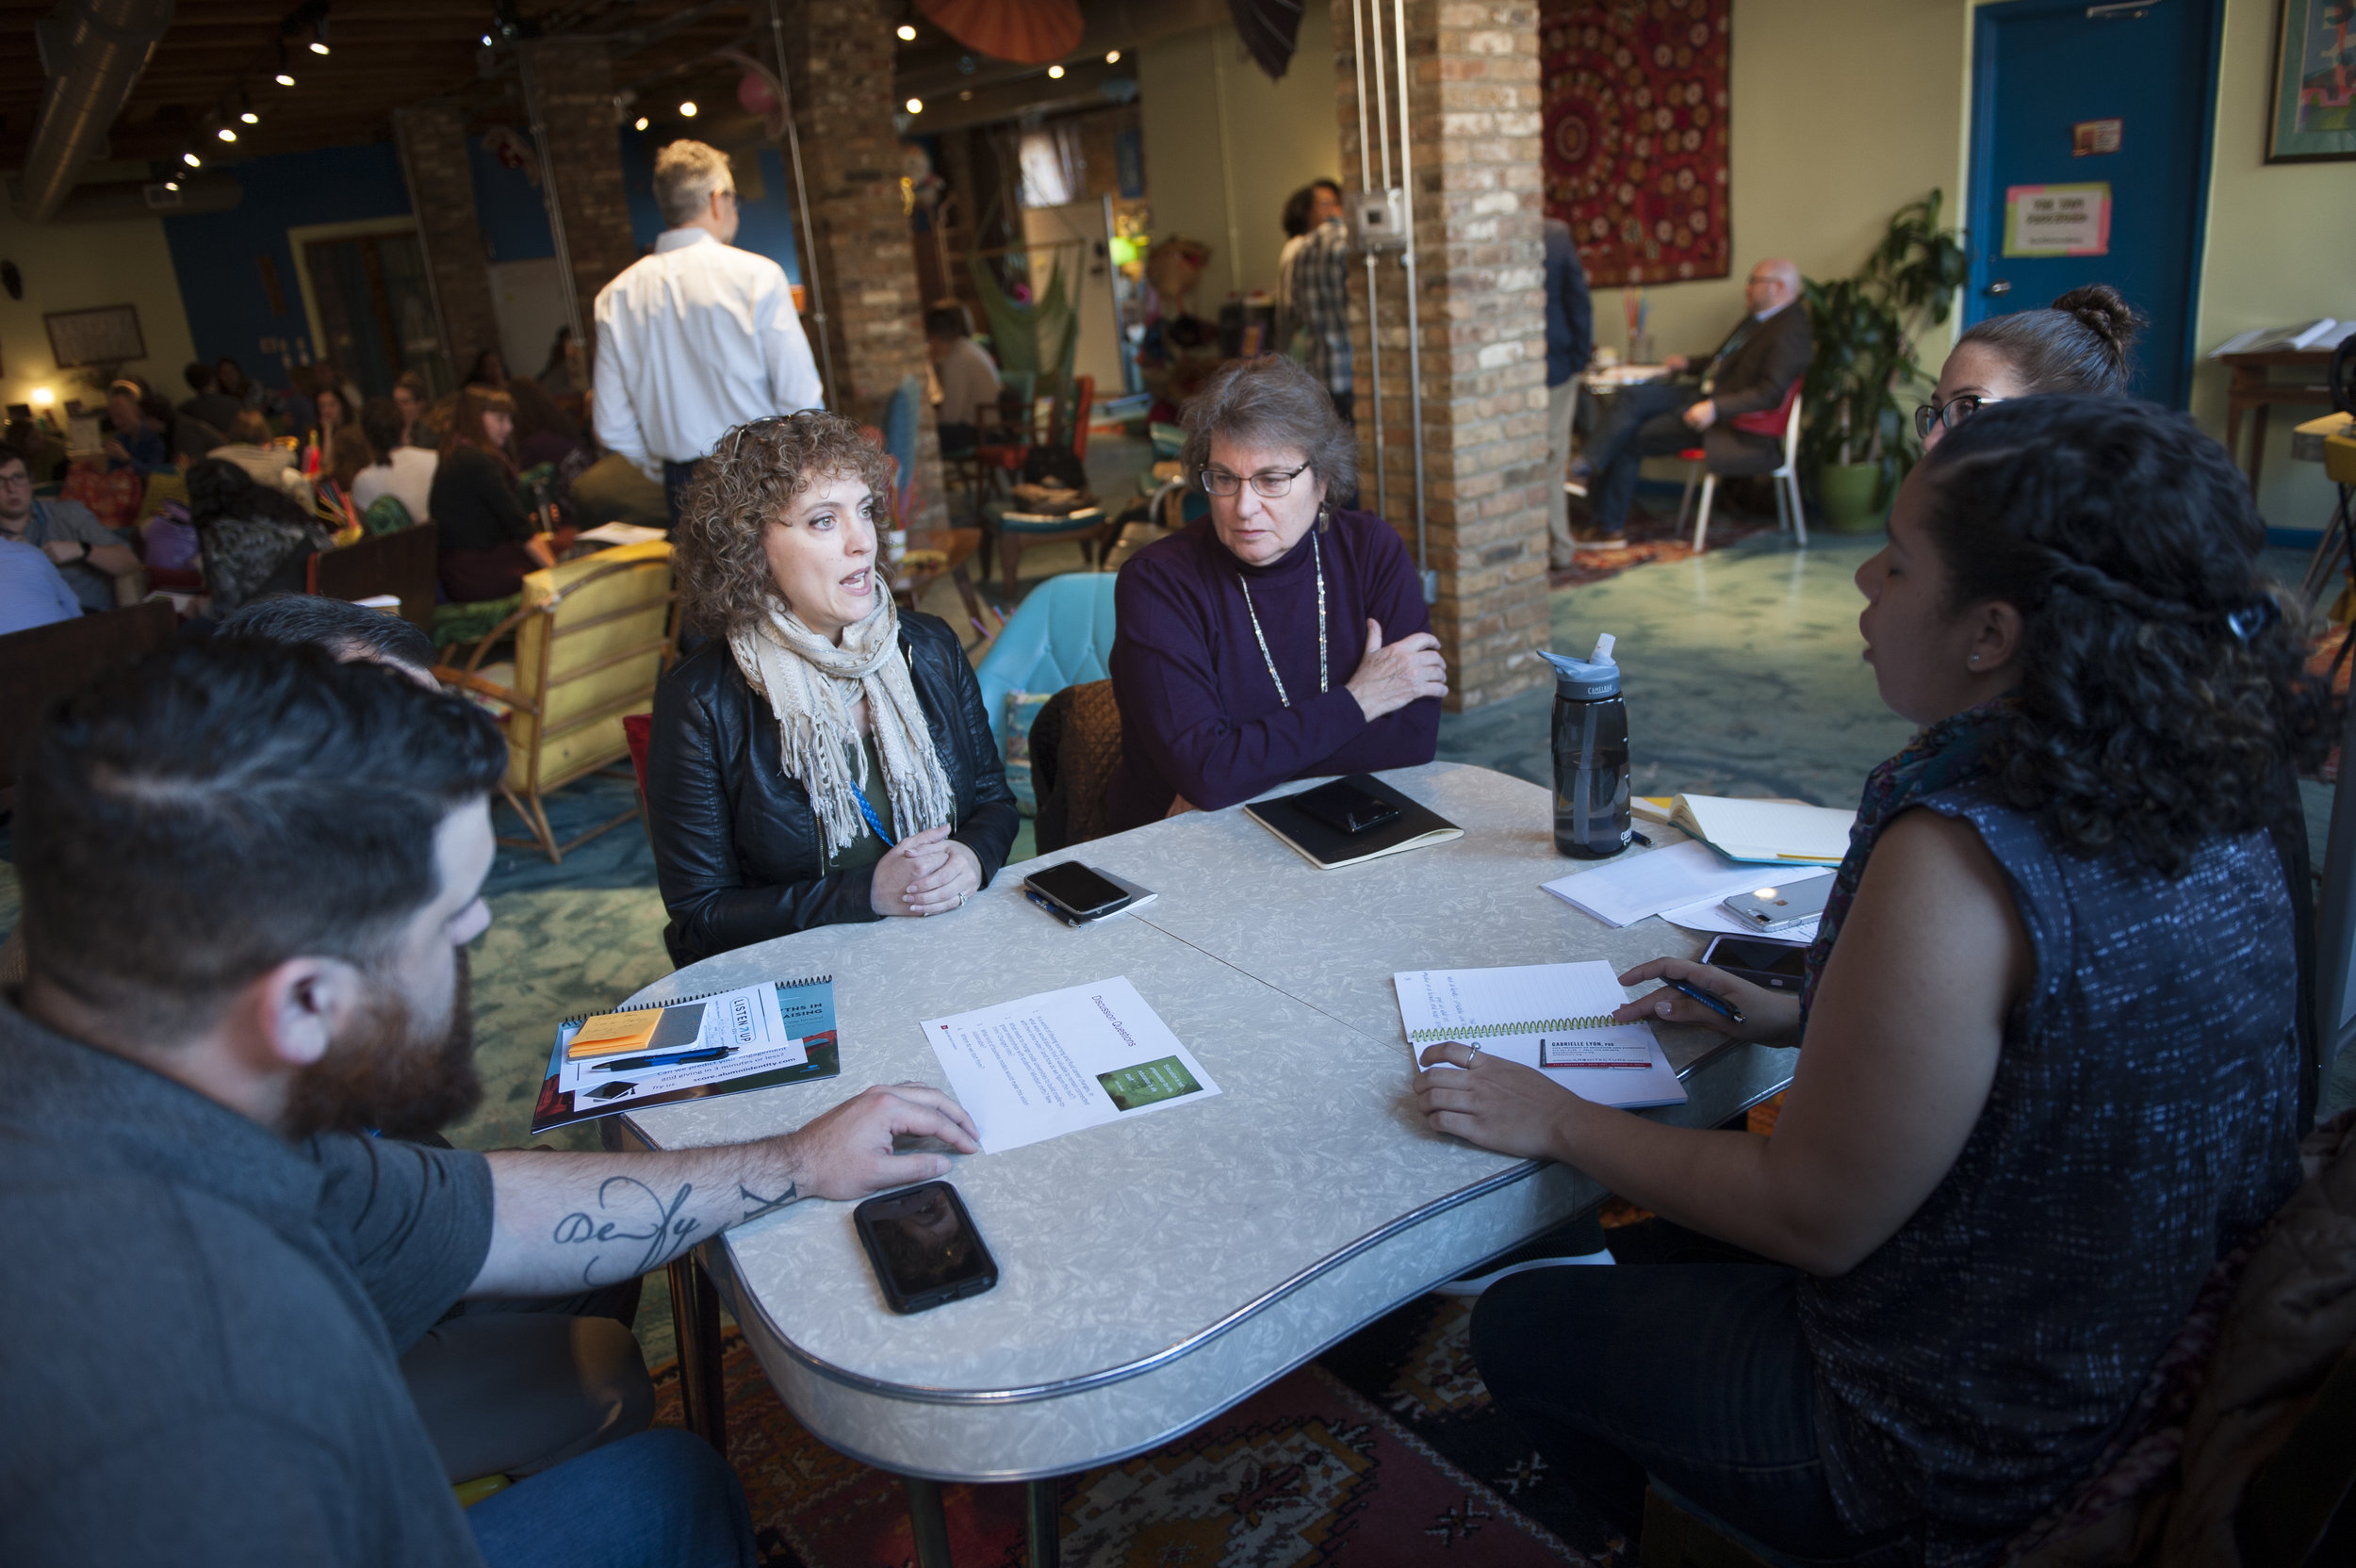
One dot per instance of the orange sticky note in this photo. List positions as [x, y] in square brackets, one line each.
[613, 1034]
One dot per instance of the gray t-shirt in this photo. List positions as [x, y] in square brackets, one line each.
[199, 1333]
[56, 520]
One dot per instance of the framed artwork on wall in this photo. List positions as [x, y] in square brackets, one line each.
[108, 334]
[2312, 105]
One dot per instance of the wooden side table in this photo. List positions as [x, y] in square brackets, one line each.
[960, 545]
[2255, 388]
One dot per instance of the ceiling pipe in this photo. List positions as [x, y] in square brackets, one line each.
[93, 52]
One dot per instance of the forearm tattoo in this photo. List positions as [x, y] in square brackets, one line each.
[756, 1205]
[658, 1225]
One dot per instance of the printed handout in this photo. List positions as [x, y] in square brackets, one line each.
[1064, 1060]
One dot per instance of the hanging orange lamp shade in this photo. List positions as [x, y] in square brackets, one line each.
[1032, 32]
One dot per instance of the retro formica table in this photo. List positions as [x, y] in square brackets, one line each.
[1154, 1272]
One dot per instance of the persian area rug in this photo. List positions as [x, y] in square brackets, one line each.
[1386, 1455]
[1634, 116]
[1651, 539]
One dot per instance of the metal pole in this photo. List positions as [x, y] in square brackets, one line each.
[1366, 183]
[801, 201]
[548, 196]
[1407, 260]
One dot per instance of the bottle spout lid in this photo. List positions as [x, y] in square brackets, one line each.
[1585, 679]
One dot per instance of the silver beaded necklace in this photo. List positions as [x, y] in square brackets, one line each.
[1258, 635]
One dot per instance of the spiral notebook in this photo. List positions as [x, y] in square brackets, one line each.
[722, 1042]
[1556, 1018]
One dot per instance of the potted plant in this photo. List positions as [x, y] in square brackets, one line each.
[1860, 441]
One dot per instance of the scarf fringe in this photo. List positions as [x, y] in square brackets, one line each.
[812, 686]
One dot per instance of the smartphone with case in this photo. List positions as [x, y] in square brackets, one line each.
[1777, 966]
[1077, 892]
[1766, 909]
[925, 1249]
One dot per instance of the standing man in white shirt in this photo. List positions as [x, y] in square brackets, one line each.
[699, 337]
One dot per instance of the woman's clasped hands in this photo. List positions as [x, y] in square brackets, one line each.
[925, 873]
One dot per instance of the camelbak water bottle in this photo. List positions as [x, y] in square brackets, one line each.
[1591, 818]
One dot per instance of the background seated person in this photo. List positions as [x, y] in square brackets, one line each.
[485, 538]
[2078, 344]
[129, 440]
[264, 459]
[1750, 372]
[402, 472]
[969, 377]
[824, 758]
[1280, 637]
[90, 555]
[2052, 1071]
[31, 591]
[247, 874]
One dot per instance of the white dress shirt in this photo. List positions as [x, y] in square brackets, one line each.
[693, 340]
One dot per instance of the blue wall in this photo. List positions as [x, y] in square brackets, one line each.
[216, 255]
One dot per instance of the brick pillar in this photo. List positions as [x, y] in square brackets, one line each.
[583, 159]
[1472, 116]
[839, 53]
[433, 141]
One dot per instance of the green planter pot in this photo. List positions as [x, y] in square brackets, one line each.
[1851, 499]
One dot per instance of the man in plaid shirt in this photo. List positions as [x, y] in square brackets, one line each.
[1317, 280]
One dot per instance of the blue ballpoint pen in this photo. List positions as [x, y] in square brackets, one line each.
[1718, 1004]
[676, 1059]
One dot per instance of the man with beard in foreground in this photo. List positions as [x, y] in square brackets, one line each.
[247, 873]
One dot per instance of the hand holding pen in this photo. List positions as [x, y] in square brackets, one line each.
[1698, 994]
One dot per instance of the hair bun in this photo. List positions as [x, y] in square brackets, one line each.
[2105, 312]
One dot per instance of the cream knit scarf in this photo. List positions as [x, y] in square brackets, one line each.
[812, 686]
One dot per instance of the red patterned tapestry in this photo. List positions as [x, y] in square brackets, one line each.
[1636, 135]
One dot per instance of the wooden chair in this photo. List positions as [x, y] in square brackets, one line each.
[1782, 422]
[592, 638]
[400, 564]
[1075, 749]
[42, 663]
[1066, 428]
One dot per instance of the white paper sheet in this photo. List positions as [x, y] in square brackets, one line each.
[1055, 1063]
[747, 1020]
[1532, 1013]
[1627, 890]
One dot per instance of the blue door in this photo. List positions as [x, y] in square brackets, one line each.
[2071, 94]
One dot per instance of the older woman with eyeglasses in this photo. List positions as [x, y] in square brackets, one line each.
[2077, 344]
[1282, 637]
[824, 758]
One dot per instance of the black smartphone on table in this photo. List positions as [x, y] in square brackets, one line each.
[1078, 893]
[1777, 966]
[924, 1245]
[1345, 808]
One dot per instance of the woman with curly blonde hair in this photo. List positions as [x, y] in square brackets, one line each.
[824, 758]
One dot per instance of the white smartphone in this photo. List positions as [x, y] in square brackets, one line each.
[1766, 909]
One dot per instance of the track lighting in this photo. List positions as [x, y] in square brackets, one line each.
[916, 105]
[907, 34]
[1054, 73]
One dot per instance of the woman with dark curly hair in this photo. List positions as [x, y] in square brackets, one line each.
[2052, 1073]
[2079, 343]
[824, 758]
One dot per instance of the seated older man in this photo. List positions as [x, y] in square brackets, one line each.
[1750, 372]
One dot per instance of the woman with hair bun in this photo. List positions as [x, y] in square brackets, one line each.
[2078, 344]
[2052, 1069]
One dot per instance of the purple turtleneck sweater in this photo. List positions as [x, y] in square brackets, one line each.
[1200, 716]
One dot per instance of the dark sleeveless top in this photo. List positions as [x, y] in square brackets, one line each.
[2143, 1120]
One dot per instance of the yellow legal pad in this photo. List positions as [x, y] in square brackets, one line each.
[614, 1034]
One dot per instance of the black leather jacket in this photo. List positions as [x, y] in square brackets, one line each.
[737, 850]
